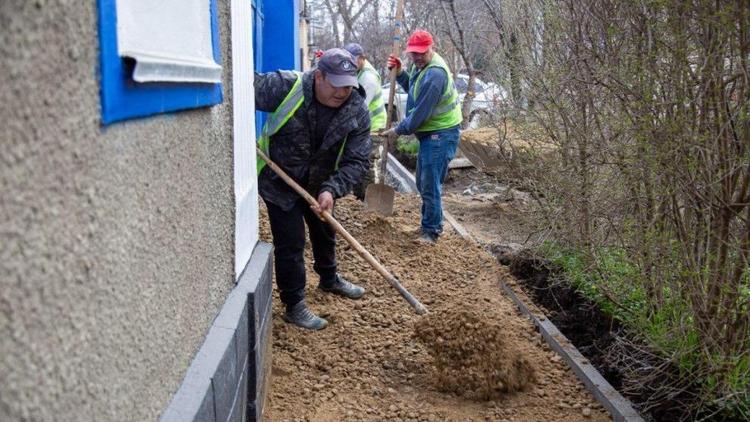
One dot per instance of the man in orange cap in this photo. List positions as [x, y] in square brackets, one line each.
[433, 115]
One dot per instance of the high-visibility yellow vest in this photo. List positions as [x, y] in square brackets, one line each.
[278, 119]
[447, 112]
[377, 105]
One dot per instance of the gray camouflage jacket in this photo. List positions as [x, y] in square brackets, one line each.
[291, 146]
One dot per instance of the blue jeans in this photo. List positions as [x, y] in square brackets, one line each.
[436, 150]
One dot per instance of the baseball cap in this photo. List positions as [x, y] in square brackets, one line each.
[355, 49]
[339, 68]
[419, 41]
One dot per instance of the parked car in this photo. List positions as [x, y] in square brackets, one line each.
[488, 96]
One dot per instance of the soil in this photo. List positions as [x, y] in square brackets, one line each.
[494, 214]
[472, 357]
[491, 136]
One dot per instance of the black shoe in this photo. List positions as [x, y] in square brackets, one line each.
[427, 238]
[344, 288]
[300, 315]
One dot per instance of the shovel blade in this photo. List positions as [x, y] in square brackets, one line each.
[379, 199]
[484, 157]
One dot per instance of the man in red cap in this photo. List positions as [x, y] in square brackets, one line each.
[433, 114]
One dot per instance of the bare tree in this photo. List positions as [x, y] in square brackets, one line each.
[509, 42]
[350, 12]
[457, 38]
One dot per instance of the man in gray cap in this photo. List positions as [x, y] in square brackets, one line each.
[318, 132]
[369, 79]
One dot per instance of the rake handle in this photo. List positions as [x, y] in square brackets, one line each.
[364, 253]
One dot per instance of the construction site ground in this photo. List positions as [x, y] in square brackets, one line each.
[473, 357]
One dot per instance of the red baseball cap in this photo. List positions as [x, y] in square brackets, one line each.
[419, 41]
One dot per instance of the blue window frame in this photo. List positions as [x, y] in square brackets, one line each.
[122, 98]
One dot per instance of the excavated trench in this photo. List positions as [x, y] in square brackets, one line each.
[605, 343]
[589, 329]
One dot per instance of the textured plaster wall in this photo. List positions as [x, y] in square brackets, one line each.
[115, 243]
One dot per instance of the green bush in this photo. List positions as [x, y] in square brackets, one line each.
[408, 146]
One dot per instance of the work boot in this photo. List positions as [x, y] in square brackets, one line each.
[427, 238]
[300, 315]
[344, 288]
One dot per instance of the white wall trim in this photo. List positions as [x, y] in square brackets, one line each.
[243, 104]
[149, 68]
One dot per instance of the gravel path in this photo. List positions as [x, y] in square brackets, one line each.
[472, 358]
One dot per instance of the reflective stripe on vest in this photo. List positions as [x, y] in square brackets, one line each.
[341, 152]
[279, 117]
[377, 105]
[447, 112]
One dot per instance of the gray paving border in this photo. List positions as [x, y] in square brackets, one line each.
[618, 406]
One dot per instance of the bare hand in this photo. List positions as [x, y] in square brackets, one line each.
[388, 133]
[325, 203]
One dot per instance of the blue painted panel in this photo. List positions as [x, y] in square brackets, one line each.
[123, 98]
[276, 40]
[281, 35]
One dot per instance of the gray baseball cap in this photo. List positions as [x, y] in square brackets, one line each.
[355, 49]
[339, 67]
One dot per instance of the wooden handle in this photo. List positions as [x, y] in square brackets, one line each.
[415, 304]
[392, 91]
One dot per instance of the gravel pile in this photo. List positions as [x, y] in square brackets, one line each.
[473, 357]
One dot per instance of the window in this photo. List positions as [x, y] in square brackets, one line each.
[158, 57]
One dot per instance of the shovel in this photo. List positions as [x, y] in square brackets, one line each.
[379, 196]
[413, 301]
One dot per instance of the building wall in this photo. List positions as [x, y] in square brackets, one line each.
[116, 243]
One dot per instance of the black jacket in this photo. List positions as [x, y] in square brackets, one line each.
[291, 146]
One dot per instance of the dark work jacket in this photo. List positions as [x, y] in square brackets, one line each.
[291, 147]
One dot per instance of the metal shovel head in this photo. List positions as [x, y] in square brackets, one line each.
[484, 157]
[379, 199]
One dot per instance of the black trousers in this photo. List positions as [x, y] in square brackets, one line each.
[288, 230]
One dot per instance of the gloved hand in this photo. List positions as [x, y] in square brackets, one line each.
[388, 132]
[394, 61]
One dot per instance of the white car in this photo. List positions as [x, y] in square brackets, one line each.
[488, 96]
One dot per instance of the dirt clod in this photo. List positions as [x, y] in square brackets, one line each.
[472, 356]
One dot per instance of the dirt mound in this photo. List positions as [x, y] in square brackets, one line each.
[486, 136]
[509, 137]
[473, 357]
